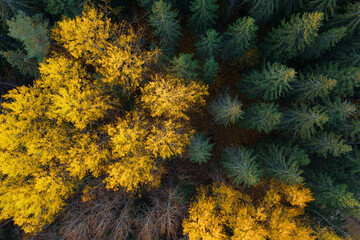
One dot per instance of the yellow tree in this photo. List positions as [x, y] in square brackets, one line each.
[70, 124]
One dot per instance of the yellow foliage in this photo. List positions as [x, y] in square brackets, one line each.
[271, 217]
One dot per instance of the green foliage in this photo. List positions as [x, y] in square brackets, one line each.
[203, 14]
[184, 67]
[325, 6]
[209, 44]
[10, 7]
[68, 8]
[283, 161]
[290, 38]
[304, 121]
[290, 6]
[323, 43]
[262, 117]
[20, 60]
[165, 23]
[33, 32]
[241, 166]
[211, 68]
[239, 37]
[271, 83]
[351, 18]
[311, 86]
[333, 195]
[339, 111]
[324, 143]
[262, 10]
[200, 148]
[226, 110]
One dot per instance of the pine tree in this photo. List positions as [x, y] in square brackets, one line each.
[311, 86]
[323, 43]
[325, 143]
[262, 117]
[351, 18]
[211, 68]
[241, 166]
[203, 14]
[291, 6]
[185, 67]
[262, 10]
[281, 163]
[20, 60]
[272, 83]
[239, 37]
[325, 6]
[165, 23]
[339, 111]
[304, 121]
[290, 38]
[33, 32]
[68, 8]
[200, 148]
[209, 44]
[226, 110]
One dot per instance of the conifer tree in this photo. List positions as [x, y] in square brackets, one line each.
[262, 10]
[271, 83]
[304, 121]
[211, 68]
[325, 143]
[325, 6]
[239, 37]
[226, 110]
[262, 117]
[291, 6]
[68, 8]
[311, 86]
[241, 166]
[165, 23]
[200, 148]
[339, 111]
[209, 44]
[20, 60]
[185, 67]
[290, 38]
[351, 18]
[284, 161]
[203, 14]
[323, 43]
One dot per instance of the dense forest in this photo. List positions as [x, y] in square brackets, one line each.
[180, 119]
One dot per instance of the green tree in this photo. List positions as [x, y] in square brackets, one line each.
[304, 121]
[271, 83]
[68, 8]
[325, 143]
[351, 18]
[262, 117]
[241, 166]
[311, 86]
[185, 67]
[200, 148]
[283, 161]
[226, 110]
[325, 6]
[290, 38]
[338, 110]
[203, 14]
[209, 44]
[211, 68]
[165, 23]
[239, 37]
[262, 10]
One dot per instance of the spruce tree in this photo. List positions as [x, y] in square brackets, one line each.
[165, 23]
[211, 68]
[226, 110]
[338, 110]
[262, 117]
[209, 45]
[323, 43]
[351, 18]
[304, 121]
[311, 86]
[239, 37]
[325, 6]
[241, 166]
[290, 38]
[271, 83]
[291, 6]
[262, 10]
[200, 148]
[185, 67]
[68, 8]
[325, 143]
[281, 163]
[203, 14]
[20, 60]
